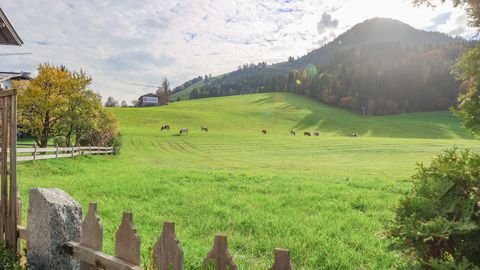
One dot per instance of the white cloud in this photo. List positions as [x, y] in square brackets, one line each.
[118, 42]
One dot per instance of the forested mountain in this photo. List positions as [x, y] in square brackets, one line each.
[380, 66]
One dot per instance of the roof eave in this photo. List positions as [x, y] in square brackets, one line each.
[11, 30]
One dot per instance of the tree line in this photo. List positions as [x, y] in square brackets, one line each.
[375, 79]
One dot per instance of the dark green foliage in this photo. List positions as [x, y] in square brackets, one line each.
[10, 261]
[467, 70]
[439, 220]
[117, 143]
[60, 141]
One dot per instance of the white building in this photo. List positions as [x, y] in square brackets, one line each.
[6, 78]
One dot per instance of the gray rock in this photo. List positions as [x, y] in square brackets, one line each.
[54, 218]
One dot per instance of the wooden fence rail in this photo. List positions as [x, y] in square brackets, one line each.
[166, 254]
[37, 153]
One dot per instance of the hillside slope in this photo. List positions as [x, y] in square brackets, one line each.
[280, 112]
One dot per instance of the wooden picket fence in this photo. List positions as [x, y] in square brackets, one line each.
[37, 153]
[166, 254]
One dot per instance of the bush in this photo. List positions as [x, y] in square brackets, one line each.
[10, 261]
[60, 141]
[117, 143]
[439, 220]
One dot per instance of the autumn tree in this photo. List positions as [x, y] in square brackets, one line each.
[59, 103]
[43, 104]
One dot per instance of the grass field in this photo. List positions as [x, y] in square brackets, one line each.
[327, 199]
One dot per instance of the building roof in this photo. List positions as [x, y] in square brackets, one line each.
[149, 95]
[4, 76]
[8, 35]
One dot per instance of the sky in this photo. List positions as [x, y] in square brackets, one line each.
[120, 42]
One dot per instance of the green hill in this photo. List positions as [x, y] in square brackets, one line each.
[263, 191]
[280, 112]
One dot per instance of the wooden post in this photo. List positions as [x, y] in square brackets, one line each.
[219, 255]
[91, 234]
[89, 149]
[11, 232]
[4, 155]
[34, 151]
[282, 260]
[73, 151]
[127, 242]
[19, 217]
[56, 150]
[167, 254]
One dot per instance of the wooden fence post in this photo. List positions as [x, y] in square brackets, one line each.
[91, 234]
[34, 152]
[282, 260]
[89, 149]
[127, 242]
[219, 255]
[73, 151]
[167, 254]
[56, 150]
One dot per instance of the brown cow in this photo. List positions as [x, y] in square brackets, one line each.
[316, 133]
[204, 129]
[292, 133]
[264, 131]
[306, 133]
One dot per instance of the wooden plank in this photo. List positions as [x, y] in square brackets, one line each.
[22, 232]
[97, 258]
[127, 242]
[91, 234]
[6, 93]
[282, 260]
[39, 157]
[167, 254]
[4, 155]
[11, 232]
[45, 149]
[219, 255]
[19, 219]
[25, 150]
[24, 158]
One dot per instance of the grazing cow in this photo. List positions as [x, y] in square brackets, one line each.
[316, 133]
[306, 133]
[353, 134]
[292, 133]
[165, 127]
[184, 130]
[264, 131]
[205, 129]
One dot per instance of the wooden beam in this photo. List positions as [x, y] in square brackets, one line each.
[97, 258]
[22, 232]
[6, 93]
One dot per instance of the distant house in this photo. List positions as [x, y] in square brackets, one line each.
[148, 100]
[6, 78]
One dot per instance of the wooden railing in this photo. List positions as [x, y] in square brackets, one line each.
[166, 254]
[37, 153]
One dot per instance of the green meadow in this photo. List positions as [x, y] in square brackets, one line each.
[328, 199]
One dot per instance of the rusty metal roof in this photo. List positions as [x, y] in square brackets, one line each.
[8, 35]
